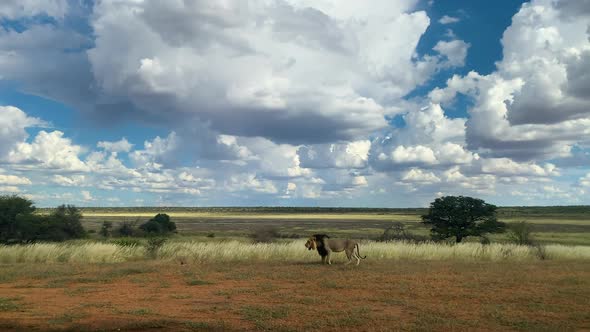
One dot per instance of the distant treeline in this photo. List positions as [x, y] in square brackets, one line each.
[253, 210]
[582, 211]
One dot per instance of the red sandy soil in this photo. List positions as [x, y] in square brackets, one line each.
[375, 296]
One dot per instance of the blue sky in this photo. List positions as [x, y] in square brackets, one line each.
[294, 102]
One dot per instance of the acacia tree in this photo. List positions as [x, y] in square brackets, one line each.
[461, 216]
[12, 210]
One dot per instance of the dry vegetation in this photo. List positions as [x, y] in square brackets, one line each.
[216, 279]
[291, 251]
[380, 295]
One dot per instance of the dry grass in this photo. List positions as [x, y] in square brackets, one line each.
[293, 251]
[293, 296]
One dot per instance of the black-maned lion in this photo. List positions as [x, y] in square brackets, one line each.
[325, 246]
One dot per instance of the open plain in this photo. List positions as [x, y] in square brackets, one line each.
[211, 277]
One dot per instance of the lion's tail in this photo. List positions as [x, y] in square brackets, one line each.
[358, 251]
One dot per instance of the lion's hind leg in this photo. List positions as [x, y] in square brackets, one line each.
[349, 255]
[356, 255]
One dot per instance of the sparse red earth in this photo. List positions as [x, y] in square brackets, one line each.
[375, 296]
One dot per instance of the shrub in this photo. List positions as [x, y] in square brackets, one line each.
[105, 229]
[152, 226]
[159, 224]
[126, 229]
[16, 218]
[69, 217]
[153, 245]
[127, 242]
[265, 234]
[397, 232]
[520, 233]
[18, 224]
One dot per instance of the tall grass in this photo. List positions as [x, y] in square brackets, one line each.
[289, 251]
[74, 253]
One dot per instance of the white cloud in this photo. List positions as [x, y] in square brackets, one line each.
[119, 146]
[455, 51]
[429, 138]
[505, 166]
[419, 176]
[13, 180]
[70, 181]
[14, 9]
[158, 151]
[49, 150]
[218, 70]
[247, 182]
[9, 189]
[446, 19]
[535, 105]
[13, 122]
[585, 180]
[86, 196]
[344, 155]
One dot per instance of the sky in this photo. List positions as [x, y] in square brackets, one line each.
[375, 103]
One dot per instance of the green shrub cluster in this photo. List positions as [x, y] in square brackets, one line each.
[159, 224]
[19, 224]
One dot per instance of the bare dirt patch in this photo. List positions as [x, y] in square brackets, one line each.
[375, 296]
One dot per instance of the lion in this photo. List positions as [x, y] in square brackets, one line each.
[325, 246]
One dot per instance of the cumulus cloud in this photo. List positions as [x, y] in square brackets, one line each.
[343, 155]
[13, 123]
[13, 180]
[70, 181]
[429, 138]
[455, 51]
[418, 175]
[119, 146]
[86, 196]
[535, 105]
[291, 99]
[13, 9]
[446, 19]
[236, 85]
[157, 151]
[49, 150]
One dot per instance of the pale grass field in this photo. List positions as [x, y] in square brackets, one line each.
[290, 251]
[264, 216]
[317, 216]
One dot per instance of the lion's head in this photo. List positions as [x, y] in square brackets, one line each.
[311, 243]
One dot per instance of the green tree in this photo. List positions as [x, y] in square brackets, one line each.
[68, 219]
[159, 224]
[461, 216]
[520, 233]
[105, 229]
[12, 209]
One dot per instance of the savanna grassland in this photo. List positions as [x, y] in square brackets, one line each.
[563, 225]
[294, 296]
[211, 277]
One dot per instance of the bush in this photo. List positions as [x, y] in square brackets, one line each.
[16, 218]
[152, 226]
[159, 224]
[265, 234]
[153, 245]
[18, 224]
[127, 242]
[520, 233]
[397, 232]
[126, 229]
[68, 218]
[105, 230]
